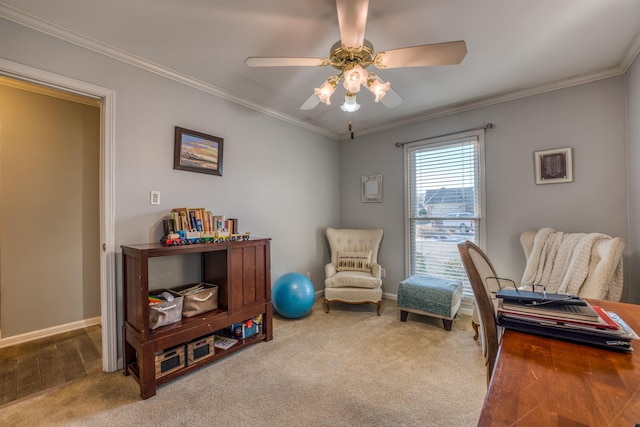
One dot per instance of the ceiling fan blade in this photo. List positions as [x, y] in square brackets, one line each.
[450, 53]
[311, 103]
[284, 62]
[392, 99]
[352, 19]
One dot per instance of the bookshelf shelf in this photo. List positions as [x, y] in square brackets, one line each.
[241, 269]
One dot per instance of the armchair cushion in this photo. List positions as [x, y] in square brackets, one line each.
[352, 279]
[354, 261]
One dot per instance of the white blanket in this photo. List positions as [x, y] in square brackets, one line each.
[569, 263]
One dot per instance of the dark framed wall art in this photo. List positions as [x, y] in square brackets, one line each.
[553, 166]
[197, 152]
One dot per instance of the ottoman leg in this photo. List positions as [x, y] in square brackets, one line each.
[447, 324]
[403, 315]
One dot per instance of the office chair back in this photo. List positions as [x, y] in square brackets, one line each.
[478, 269]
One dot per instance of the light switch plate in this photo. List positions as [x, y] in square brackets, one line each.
[155, 198]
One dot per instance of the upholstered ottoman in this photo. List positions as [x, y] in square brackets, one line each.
[430, 296]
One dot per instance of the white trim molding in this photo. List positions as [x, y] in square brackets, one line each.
[107, 192]
[54, 330]
[35, 23]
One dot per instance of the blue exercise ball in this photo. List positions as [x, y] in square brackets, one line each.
[292, 295]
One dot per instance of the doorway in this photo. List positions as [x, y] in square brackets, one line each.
[49, 210]
[105, 98]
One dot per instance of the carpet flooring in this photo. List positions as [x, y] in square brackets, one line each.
[346, 368]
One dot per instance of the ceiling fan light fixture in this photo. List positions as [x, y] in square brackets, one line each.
[350, 105]
[325, 91]
[354, 77]
[378, 87]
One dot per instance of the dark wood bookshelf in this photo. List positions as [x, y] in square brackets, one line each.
[242, 271]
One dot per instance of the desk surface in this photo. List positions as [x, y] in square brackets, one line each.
[545, 382]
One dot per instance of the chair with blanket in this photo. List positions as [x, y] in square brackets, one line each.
[480, 270]
[585, 264]
[353, 276]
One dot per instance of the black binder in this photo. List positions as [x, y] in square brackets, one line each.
[538, 298]
[592, 338]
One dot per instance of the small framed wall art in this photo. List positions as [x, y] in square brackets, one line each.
[372, 189]
[553, 166]
[197, 152]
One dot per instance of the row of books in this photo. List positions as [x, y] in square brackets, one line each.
[199, 219]
[584, 323]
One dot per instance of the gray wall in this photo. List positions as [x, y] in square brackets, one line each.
[590, 118]
[633, 135]
[287, 183]
[279, 180]
[49, 211]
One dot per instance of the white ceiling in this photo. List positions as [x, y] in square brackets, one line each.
[515, 48]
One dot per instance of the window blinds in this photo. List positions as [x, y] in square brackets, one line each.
[444, 204]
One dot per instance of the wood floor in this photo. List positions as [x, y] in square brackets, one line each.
[35, 366]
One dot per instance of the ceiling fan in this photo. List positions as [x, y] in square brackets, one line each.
[352, 54]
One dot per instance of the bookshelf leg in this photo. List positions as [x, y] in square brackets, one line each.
[147, 369]
[268, 326]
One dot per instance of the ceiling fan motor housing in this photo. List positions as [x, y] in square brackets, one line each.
[342, 57]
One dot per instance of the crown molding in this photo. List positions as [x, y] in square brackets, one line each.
[59, 32]
[62, 33]
[498, 99]
[631, 53]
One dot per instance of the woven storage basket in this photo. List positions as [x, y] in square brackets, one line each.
[198, 302]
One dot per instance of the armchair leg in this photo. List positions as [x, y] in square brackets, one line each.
[475, 329]
[379, 305]
[326, 305]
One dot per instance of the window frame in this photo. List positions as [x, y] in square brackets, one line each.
[480, 220]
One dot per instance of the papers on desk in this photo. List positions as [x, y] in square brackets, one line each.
[584, 324]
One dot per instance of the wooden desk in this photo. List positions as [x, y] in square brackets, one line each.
[545, 382]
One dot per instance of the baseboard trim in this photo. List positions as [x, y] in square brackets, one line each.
[54, 330]
[465, 309]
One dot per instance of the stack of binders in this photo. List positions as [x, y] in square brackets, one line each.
[564, 317]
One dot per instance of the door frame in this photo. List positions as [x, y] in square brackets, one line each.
[108, 309]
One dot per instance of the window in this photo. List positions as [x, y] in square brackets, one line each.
[444, 203]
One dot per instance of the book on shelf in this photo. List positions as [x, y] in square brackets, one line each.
[233, 225]
[192, 219]
[224, 343]
[180, 217]
[218, 222]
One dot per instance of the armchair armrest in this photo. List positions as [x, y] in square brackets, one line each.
[330, 270]
[376, 270]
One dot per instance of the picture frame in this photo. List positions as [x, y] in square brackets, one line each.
[553, 166]
[372, 189]
[197, 152]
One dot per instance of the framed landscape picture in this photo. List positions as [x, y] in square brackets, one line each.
[197, 152]
[553, 166]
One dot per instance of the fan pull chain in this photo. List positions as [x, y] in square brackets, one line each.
[351, 129]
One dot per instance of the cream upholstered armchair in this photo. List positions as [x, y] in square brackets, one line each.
[585, 264]
[353, 276]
